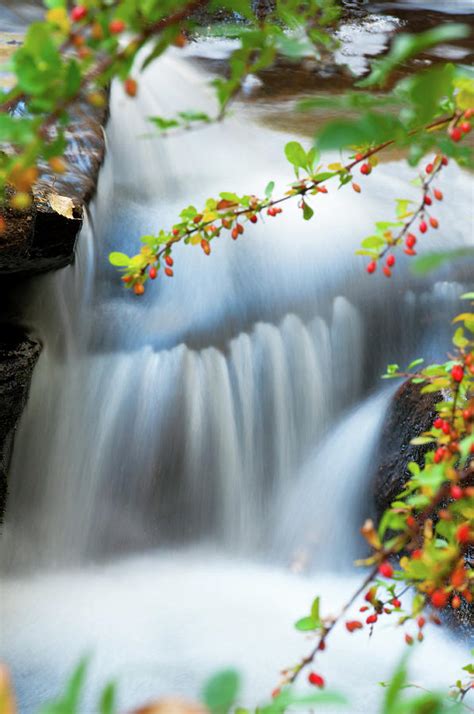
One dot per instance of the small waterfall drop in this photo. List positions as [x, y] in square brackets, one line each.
[193, 414]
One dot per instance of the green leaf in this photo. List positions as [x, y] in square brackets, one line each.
[405, 46]
[308, 212]
[68, 703]
[306, 624]
[107, 704]
[296, 155]
[427, 263]
[220, 692]
[269, 189]
[415, 363]
[120, 260]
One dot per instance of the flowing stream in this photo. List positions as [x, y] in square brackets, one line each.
[192, 466]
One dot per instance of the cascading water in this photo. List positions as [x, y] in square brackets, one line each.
[193, 414]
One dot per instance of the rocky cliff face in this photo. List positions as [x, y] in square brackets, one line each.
[18, 356]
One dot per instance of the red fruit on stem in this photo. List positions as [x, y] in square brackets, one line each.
[131, 87]
[444, 160]
[322, 646]
[456, 492]
[152, 272]
[463, 534]
[421, 622]
[446, 428]
[387, 272]
[371, 619]
[386, 570]
[429, 168]
[423, 227]
[253, 218]
[409, 251]
[234, 233]
[408, 639]
[365, 169]
[205, 246]
[457, 373]
[455, 134]
[416, 554]
[438, 194]
[116, 27]
[456, 602]
[390, 260]
[438, 423]
[78, 13]
[465, 127]
[410, 240]
[439, 455]
[316, 680]
[411, 521]
[175, 232]
[439, 599]
[396, 602]
[353, 625]
[372, 267]
[469, 113]
[169, 260]
[138, 288]
[434, 222]
[169, 272]
[428, 200]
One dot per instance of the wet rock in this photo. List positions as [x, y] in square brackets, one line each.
[42, 238]
[410, 413]
[18, 356]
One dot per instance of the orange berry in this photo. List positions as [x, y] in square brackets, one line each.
[116, 27]
[131, 87]
[138, 288]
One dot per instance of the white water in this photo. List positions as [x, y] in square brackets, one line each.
[194, 413]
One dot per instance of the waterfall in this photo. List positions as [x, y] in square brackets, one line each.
[232, 407]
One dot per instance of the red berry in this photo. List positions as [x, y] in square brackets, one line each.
[463, 533]
[316, 680]
[438, 423]
[169, 260]
[353, 625]
[469, 113]
[423, 227]
[390, 260]
[467, 414]
[130, 87]
[78, 13]
[457, 373]
[456, 492]
[439, 455]
[421, 622]
[396, 602]
[253, 218]
[169, 272]
[416, 554]
[386, 570]
[116, 27]
[444, 160]
[438, 194]
[152, 272]
[271, 211]
[456, 602]
[428, 200]
[455, 133]
[322, 646]
[409, 251]
[446, 428]
[411, 521]
[138, 288]
[387, 272]
[365, 169]
[434, 222]
[364, 608]
[371, 619]
[240, 228]
[465, 127]
[175, 232]
[439, 599]
[408, 639]
[372, 267]
[429, 168]
[205, 246]
[235, 233]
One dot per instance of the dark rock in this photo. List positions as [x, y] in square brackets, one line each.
[409, 414]
[42, 239]
[18, 356]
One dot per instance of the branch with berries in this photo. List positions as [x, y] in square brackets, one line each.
[424, 539]
[232, 213]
